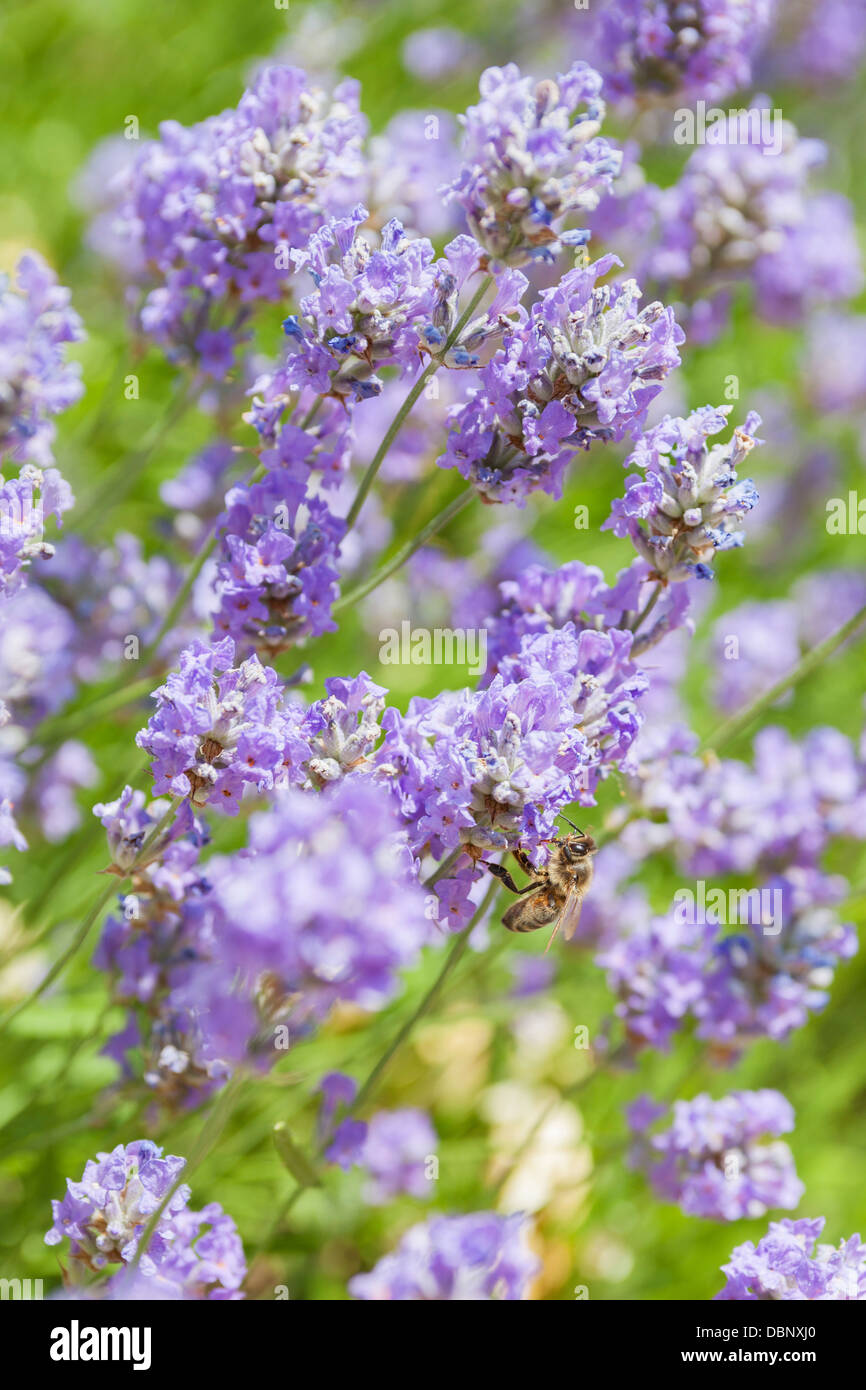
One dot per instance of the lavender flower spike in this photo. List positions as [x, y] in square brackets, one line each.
[583, 368]
[789, 1265]
[472, 1258]
[669, 49]
[532, 154]
[190, 1255]
[219, 728]
[711, 1163]
[684, 505]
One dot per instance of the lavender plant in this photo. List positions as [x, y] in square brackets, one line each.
[406, 381]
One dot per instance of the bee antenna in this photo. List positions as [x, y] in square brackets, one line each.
[571, 823]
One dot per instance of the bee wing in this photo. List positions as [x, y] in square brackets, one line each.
[571, 912]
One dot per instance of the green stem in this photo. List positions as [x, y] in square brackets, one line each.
[207, 1140]
[118, 695]
[92, 916]
[399, 419]
[741, 721]
[458, 949]
[442, 869]
[180, 599]
[89, 833]
[452, 960]
[650, 604]
[569, 1093]
[62, 961]
[54, 731]
[379, 576]
[97, 503]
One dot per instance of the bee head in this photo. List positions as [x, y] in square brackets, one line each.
[578, 847]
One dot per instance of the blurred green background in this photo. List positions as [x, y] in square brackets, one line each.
[72, 72]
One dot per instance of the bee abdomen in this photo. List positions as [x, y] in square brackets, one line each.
[539, 910]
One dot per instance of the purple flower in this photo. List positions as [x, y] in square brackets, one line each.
[55, 786]
[336, 1089]
[408, 163]
[817, 45]
[542, 600]
[104, 1214]
[768, 824]
[190, 1255]
[835, 366]
[724, 817]
[276, 577]
[531, 155]
[368, 307]
[36, 380]
[532, 975]
[322, 446]
[744, 210]
[489, 769]
[770, 979]
[206, 1258]
[583, 367]
[657, 974]
[453, 907]
[595, 673]
[211, 210]
[199, 487]
[826, 599]
[668, 50]
[459, 1258]
[322, 907]
[219, 729]
[37, 655]
[151, 949]
[347, 1143]
[25, 502]
[684, 504]
[818, 264]
[788, 1263]
[394, 1148]
[113, 593]
[712, 1161]
[344, 728]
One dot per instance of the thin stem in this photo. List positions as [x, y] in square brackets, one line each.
[107, 400]
[379, 576]
[569, 1093]
[89, 834]
[96, 504]
[92, 916]
[53, 731]
[648, 607]
[62, 961]
[741, 721]
[312, 412]
[452, 960]
[208, 1138]
[180, 599]
[399, 419]
[442, 869]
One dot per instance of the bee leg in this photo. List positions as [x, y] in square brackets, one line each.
[505, 877]
[524, 862]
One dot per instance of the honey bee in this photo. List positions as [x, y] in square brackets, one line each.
[557, 890]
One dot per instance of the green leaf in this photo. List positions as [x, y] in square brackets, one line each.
[293, 1158]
